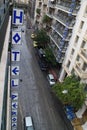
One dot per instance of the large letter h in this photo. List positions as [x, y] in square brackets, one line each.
[17, 17]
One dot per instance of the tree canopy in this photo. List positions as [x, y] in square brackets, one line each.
[46, 19]
[71, 91]
[50, 57]
[42, 38]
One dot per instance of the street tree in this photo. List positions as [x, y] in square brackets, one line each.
[70, 92]
[42, 38]
[50, 57]
[46, 19]
[46, 22]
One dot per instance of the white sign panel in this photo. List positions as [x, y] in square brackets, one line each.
[14, 112]
[16, 37]
[14, 105]
[18, 15]
[15, 70]
[14, 96]
[14, 125]
[14, 83]
[15, 55]
[14, 119]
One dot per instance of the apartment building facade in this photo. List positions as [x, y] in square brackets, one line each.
[76, 55]
[63, 14]
[40, 11]
[5, 23]
[67, 18]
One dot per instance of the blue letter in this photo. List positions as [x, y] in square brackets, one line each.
[15, 17]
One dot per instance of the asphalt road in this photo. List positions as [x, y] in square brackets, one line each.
[35, 97]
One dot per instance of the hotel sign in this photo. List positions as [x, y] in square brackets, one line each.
[17, 20]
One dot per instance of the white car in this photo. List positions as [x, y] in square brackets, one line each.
[51, 79]
[28, 123]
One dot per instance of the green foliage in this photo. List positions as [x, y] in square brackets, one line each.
[50, 57]
[38, 11]
[46, 19]
[75, 95]
[42, 38]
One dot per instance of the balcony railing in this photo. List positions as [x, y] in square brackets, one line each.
[52, 38]
[66, 8]
[50, 14]
[64, 20]
[82, 74]
[51, 5]
[66, 69]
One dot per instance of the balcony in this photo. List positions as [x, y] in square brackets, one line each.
[50, 4]
[65, 20]
[65, 6]
[55, 39]
[49, 14]
[82, 74]
[83, 54]
[38, 18]
[45, 3]
[66, 69]
[85, 15]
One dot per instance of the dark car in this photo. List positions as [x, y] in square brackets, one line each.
[41, 53]
[43, 65]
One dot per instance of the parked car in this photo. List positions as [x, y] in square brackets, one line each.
[53, 72]
[28, 123]
[35, 44]
[51, 79]
[43, 65]
[41, 53]
[33, 35]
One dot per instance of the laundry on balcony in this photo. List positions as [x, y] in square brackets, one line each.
[70, 112]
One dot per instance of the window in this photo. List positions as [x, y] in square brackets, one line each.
[83, 44]
[68, 64]
[84, 66]
[78, 58]
[72, 52]
[77, 38]
[81, 24]
[85, 13]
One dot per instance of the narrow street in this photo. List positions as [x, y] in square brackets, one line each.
[35, 97]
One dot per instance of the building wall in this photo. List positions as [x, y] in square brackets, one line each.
[5, 24]
[63, 14]
[76, 55]
[38, 17]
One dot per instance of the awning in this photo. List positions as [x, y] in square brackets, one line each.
[81, 111]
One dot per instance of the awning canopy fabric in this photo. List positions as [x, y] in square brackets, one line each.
[81, 111]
